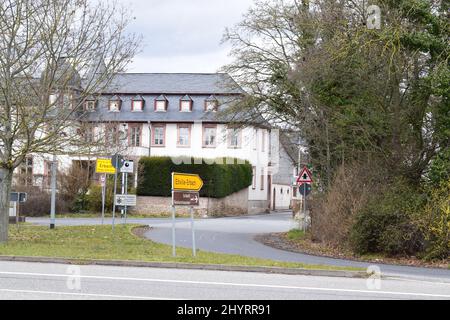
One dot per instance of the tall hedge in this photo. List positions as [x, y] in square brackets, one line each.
[220, 180]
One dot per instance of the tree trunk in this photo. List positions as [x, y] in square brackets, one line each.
[5, 191]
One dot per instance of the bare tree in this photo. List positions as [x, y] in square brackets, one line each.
[54, 54]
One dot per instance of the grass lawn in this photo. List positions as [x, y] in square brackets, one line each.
[98, 242]
[296, 234]
[109, 215]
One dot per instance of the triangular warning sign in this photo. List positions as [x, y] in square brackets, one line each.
[305, 176]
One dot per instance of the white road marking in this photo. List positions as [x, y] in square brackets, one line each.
[237, 285]
[84, 294]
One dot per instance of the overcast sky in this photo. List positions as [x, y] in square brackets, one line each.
[183, 35]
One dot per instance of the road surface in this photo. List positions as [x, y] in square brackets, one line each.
[22, 281]
[236, 236]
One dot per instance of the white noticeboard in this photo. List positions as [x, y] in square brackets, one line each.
[128, 200]
[12, 209]
[127, 167]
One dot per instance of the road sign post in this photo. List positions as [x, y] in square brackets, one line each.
[191, 209]
[103, 185]
[115, 162]
[304, 181]
[185, 191]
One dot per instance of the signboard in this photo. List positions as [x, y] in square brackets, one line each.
[116, 159]
[18, 197]
[186, 198]
[305, 176]
[128, 200]
[186, 182]
[103, 180]
[104, 166]
[127, 167]
[305, 189]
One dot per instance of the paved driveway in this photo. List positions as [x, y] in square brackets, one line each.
[236, 236]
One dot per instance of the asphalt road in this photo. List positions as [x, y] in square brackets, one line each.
[22, 281]
[236, 236]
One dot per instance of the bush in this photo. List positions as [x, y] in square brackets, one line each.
[220, 180]
[333, 213]
[389, 222]
[436, 224]
[38, 203]
[94, 196]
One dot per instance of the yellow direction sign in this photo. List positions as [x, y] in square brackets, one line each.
[186, 181]
[105, 166]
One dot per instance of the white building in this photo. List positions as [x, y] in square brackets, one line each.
[179, 115]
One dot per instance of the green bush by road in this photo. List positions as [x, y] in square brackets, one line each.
[220, 179]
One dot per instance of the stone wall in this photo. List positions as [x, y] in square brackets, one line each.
[232, 205]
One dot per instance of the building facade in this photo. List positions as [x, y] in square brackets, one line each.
[177, 115]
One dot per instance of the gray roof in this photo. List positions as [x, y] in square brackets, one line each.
[172, 114]
[171, 87]
[173, 83]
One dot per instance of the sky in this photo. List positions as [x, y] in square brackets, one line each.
[183, 35]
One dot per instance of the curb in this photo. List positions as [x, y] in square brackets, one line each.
[191, 266]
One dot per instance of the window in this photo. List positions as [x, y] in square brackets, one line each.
[53, 99]
[234, 138]
[26, 171]
[112, 135]
[211, 104]
[209, 136]
[90, 105]
[184, 132]
[135, 132]
[254, 178]
[262, 178]
[115, 104]
[186, 104]
[255, 139]
[48, 173]
[294, 192]
[137, 104]
[159, 132]
[87, 133]
[281, 190]
[161, 104]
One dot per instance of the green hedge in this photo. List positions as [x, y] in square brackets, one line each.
[220, 180]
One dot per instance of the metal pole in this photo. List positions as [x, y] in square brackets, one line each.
[126, 192]
[191, 209]
[115, 188]
[122, 212]
[174, 250]
[53, 197]
[103, 198]
[304, 211]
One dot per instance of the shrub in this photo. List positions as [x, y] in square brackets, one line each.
[436, 224]
[333, 213]
[94, 196]
[220, 180]
[38, 202]
[389, 222]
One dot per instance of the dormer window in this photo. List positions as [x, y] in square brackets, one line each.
[53, 99]
[186, 104]
[115, 103]
[137, 104]
[211, 104]
[161, 104]
[90, 105]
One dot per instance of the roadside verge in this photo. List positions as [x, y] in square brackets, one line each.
[176, 265]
